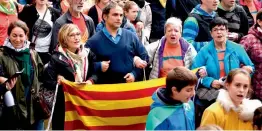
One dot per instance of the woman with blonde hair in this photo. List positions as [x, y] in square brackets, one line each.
[73, 62]
[232, 110]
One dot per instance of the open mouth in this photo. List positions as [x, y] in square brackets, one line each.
[173, 38]
[240, 96]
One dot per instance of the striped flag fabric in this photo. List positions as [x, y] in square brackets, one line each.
[110, 106]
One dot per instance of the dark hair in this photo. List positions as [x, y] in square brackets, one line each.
[179, 77]
[257, 119]
[218, 21]
[19, 24]
[233, 73]
[258, 17]
[107, 9]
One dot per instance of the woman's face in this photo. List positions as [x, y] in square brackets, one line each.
[219, 34]
[173, 34]
[131, 14]
[73, 41]
[17, 37]
[259, 22]
[238, 89]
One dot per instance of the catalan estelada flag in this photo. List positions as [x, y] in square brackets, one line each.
[108, 107]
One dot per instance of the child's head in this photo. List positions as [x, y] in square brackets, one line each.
[131, 10]
[238, 84]
[180, 84]
[210, 127]
[257, 119]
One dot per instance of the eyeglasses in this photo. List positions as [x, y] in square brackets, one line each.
[74, 35]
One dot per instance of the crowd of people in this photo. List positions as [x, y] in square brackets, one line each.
[123, 41]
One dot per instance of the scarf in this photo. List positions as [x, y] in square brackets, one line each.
[7, 11]
[78, 61]
[22, 56]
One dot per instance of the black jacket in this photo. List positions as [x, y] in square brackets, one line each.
[66, 19]
[30, 15]
[93, 14]
[59, 65]
[180, 8]
[237, 20]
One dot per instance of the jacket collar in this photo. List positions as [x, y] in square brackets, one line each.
[69, 16]
[183, 43]
[229, 47]
[246, 109]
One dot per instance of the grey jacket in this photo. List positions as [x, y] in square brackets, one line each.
[66, 19]
[146, 18]
[155, 53]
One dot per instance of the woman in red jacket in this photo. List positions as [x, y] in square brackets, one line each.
[253, 46]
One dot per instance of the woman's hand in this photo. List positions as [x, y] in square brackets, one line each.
[59, 79]
[139, 63]
[202, 73]
[216, 84]
[88, 82]
[10, 84]
[248, 69]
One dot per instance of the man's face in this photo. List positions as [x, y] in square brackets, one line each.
[77, 5]
[228, 3]
[211, 5]
[219, 33]
[114, 18]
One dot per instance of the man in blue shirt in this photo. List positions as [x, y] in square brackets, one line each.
[117, 45]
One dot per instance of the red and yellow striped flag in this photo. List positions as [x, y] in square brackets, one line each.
[108, 107]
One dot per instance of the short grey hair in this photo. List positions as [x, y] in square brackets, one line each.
[173, 21]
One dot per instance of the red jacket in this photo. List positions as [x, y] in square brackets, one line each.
[5, 20]
[253, 46]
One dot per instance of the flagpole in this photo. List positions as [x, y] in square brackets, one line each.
[53, 106]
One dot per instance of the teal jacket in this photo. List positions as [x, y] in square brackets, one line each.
[170, 117]
[235, 56]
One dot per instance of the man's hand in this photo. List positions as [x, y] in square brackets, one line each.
[129, 77]
[139, 63]
[105, 65]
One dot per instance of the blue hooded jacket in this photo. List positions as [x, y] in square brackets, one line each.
[181, 119]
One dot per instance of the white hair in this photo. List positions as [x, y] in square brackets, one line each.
[173, 21]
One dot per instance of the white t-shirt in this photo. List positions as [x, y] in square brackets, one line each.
[44, 32]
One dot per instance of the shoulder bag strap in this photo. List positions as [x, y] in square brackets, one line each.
[32, 45]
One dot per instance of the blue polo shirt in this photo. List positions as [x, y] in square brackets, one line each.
[110, 37]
